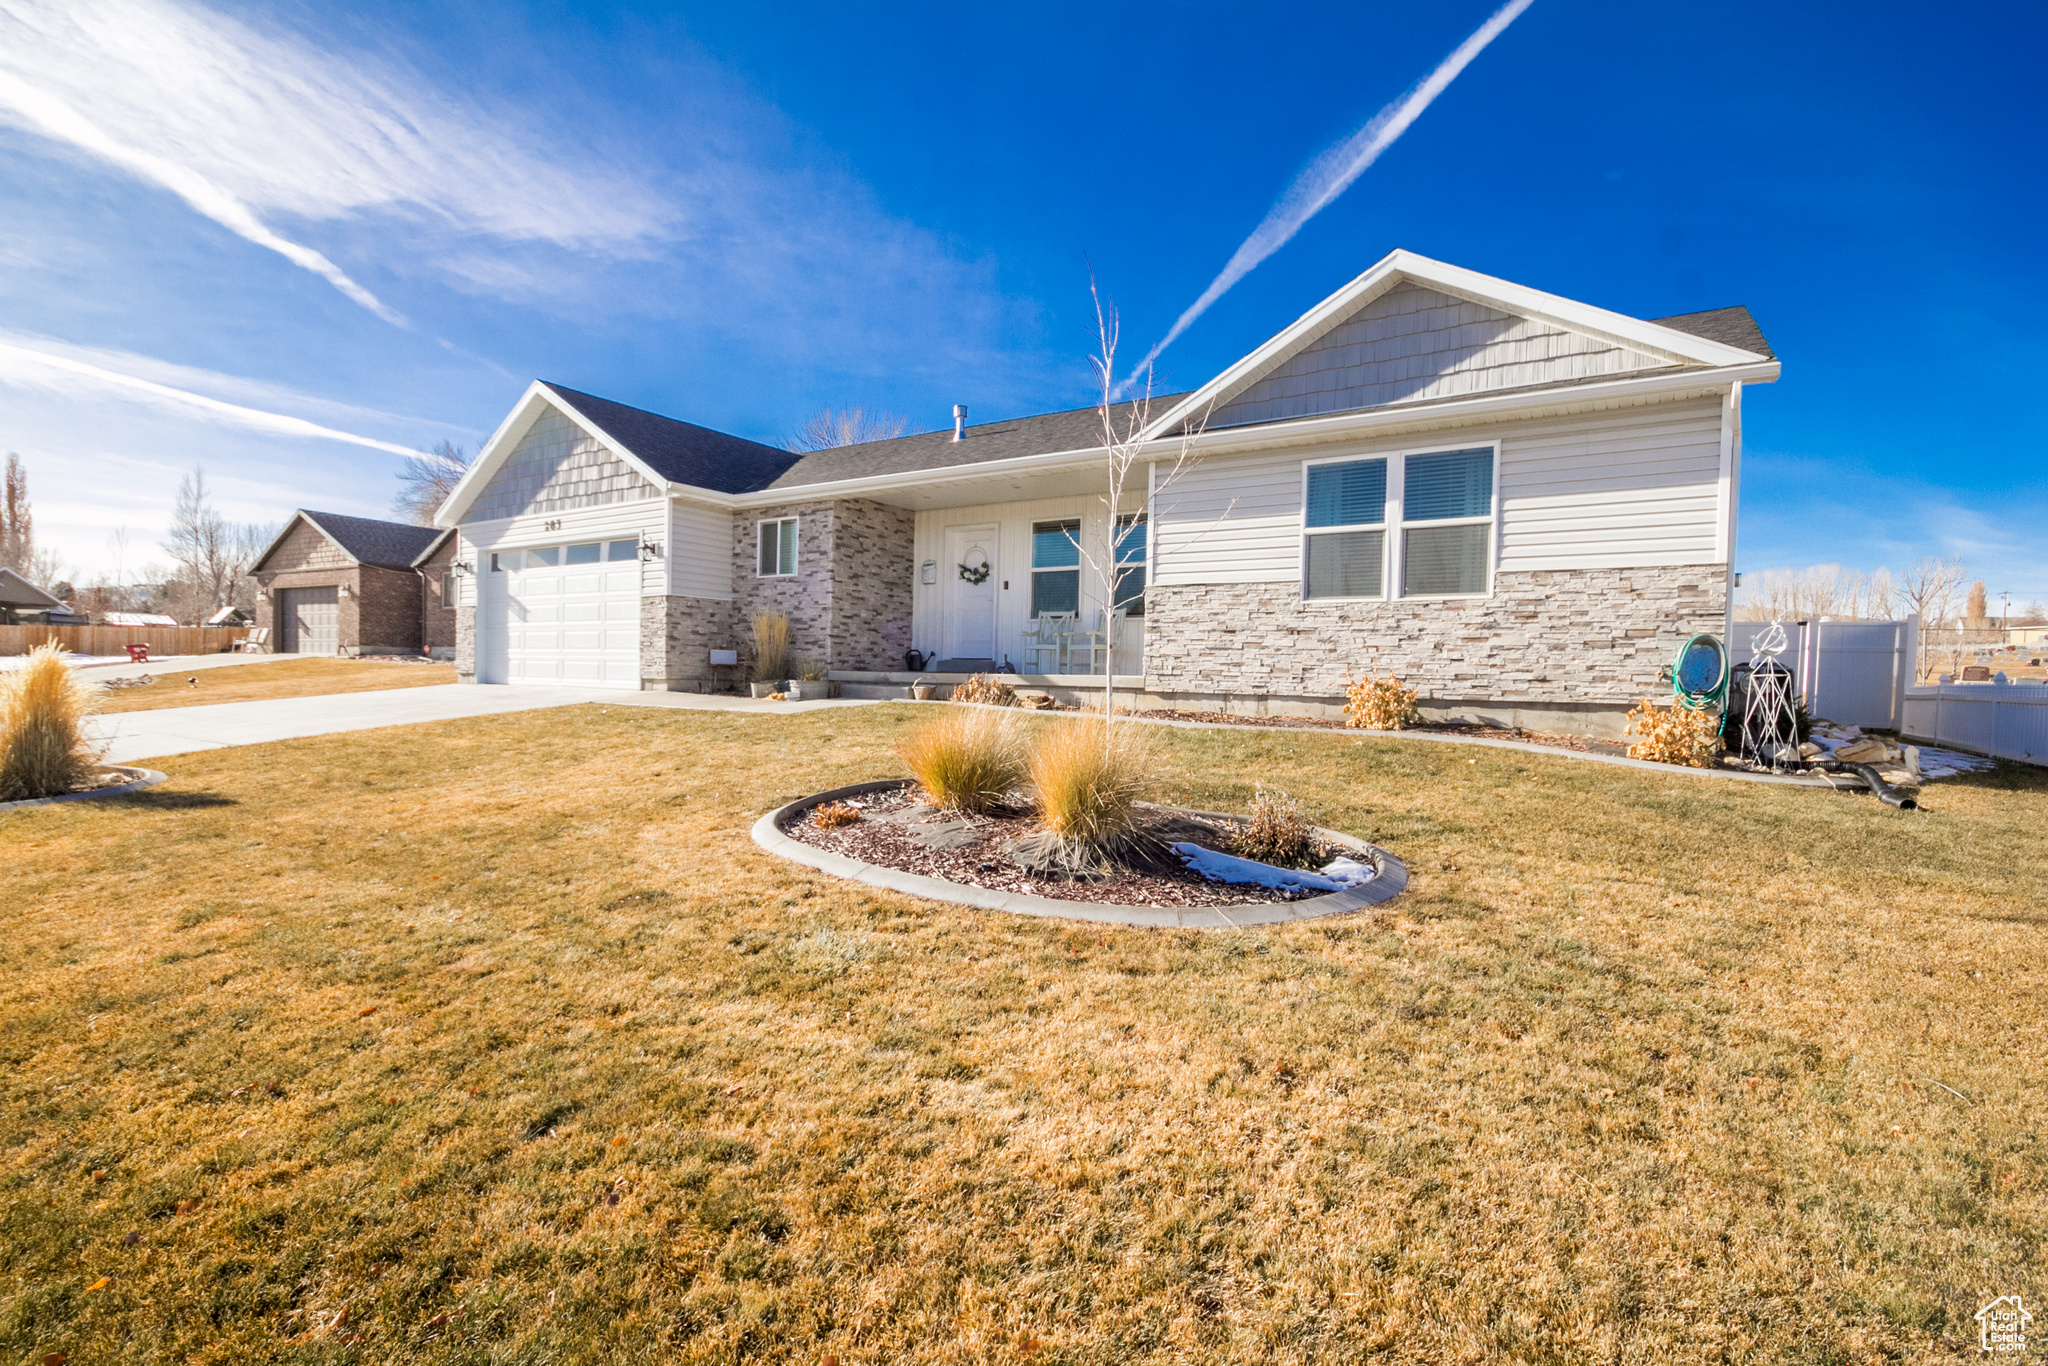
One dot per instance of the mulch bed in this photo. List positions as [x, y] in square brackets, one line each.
[897, 830]
[1472, 732]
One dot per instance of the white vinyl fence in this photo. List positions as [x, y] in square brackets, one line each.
[2005, 720]
[1852, 672]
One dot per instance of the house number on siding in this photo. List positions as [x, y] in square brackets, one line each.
[552, 525]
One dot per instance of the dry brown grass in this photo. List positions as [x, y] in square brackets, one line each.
[43, 746]
[1088, 778]
[1380, 704]
[258, 682]
[506, 1020]
[966, 759]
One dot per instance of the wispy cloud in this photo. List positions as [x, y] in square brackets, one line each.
[79, 373]
[242, 124]
[1330, 174]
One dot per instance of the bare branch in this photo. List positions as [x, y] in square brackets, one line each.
[829, 428]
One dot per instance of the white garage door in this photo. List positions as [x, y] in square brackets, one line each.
[565, 614]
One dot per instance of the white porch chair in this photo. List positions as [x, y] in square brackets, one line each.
[1047, 634]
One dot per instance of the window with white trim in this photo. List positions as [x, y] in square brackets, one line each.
[1130, 564]
[777, 548]
[1055, 567]
[1344, 526]
[1446, 523]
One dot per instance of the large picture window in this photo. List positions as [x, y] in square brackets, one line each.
[1345, 530]
[1130, 564]
[777, 548]
[1055, 567]
[1446, 522]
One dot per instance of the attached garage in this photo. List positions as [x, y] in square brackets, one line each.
[309, 621]
[562, 614]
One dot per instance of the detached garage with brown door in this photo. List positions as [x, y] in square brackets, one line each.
[332, 585]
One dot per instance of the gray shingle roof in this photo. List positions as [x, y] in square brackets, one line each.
[1076, 429]
[388, 545]
[1729, 326]
[682, 452]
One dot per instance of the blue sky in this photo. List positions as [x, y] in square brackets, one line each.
[735, 214]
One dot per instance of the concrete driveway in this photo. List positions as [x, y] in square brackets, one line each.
[181, 730]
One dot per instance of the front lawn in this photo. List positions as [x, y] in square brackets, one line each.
[261, 681]
[498, 1041]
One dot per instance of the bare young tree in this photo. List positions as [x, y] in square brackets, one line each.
[204, 545]
[831, 427]
[425, 481]
[1126, 453]
[17, 524]
[1928, 590]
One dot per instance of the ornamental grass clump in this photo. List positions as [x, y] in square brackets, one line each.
[966, 760]
[771, 647]
[1279, 832]
[44, 751]
[988, 689]
[1380, 704]
[1676, 734]
[1088, 777]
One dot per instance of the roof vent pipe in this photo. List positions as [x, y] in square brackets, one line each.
[959, 422]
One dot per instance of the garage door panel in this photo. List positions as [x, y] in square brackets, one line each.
[573, 625]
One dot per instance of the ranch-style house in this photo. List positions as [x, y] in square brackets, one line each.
[1521, 504]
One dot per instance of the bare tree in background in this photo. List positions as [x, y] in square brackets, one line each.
[1928, 590]
[1821, 590]
[425, 481]
[17, 525]
[832, 427]
[213, 555]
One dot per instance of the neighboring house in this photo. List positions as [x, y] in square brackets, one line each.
[229, 616]
[24, 604]
[435, 567]
[140, 619]
[1521, 504]
[330, 584]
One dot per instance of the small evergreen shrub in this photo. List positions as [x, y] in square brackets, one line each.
[1380, 704]
[1676, 734]
[966, 760]
[44, 751]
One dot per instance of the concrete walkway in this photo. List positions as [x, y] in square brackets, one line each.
[182, 730]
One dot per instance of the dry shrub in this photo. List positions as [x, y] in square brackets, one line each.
[43, 748]
[1088, 777]
[966, 760]
[1379, 704]
[832, 815]
[1278, 833]
[771, 647]
[986, 688]
[1676, 734]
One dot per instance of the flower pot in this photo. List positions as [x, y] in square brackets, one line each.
[763, 689]
[808, 689]
[923, 692]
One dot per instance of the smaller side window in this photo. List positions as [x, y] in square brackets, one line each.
[777, 548]
[623, 550]
[448, 591]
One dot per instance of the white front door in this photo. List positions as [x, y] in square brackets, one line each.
[969, 574]
[564, 614]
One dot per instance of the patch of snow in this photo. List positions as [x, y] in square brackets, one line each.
[1338, 875]
[1947, 763]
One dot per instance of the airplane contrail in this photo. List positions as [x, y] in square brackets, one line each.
[1330, 174]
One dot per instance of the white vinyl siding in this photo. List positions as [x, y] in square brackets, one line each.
[699, 551]
[1619, 487]
[646, 521]
[1413, 343]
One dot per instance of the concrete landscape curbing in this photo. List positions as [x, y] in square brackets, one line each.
[142, 777]
[768, 833]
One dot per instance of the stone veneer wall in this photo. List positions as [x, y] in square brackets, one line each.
[848, 604]
[465, 644]
[1579, 638]
[677, 636]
